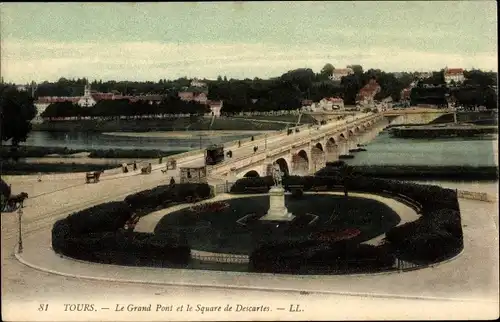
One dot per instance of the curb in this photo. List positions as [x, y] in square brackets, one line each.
[233, 287]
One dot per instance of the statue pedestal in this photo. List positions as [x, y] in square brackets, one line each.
[277, 210]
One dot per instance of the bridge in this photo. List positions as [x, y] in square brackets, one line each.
[305, 149]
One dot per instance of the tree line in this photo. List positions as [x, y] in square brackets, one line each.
[123, 107]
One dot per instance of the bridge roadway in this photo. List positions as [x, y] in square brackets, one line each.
[279, 140]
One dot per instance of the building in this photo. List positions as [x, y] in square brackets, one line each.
[193, 96]
[453, 75]
[338, 73]
[86, 100]
[215, 107]
[405, 94]
[331, 103]
[367, 94]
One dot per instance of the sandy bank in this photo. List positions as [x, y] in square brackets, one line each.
[185, 134]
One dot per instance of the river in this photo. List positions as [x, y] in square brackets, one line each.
[387, 150]
[91, 140]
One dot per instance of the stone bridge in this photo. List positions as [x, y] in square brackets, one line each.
[304, 152]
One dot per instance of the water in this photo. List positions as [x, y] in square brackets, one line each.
[387, 150]
[90, 140]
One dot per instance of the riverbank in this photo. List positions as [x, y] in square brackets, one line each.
[26, 151]
[185, 134]
[434, 131]
[179, 124]
[414, 172]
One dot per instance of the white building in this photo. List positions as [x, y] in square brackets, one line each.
[453, 75]
[86, 100]
[215, 107]
[331, 103]
[338, 73]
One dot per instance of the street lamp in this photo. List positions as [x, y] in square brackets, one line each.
[20, 243]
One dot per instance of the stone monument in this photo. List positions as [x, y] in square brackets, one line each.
[277, 209]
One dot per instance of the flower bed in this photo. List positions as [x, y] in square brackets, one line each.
[209, 207]
[331, 236]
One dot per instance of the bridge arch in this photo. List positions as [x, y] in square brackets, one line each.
[319, 146]
[251, 174]
[283, 166]
[300, 162]
[331, 150]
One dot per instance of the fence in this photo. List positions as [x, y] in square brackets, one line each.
[220, 258]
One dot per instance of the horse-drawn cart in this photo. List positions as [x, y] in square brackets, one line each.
[146, 169]
[92, 176]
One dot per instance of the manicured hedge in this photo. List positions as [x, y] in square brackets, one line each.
[97, 234]
[318, 257]
[122, 248]
[105, 217]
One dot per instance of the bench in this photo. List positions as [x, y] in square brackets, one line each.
[92, 176]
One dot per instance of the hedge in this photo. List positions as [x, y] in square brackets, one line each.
[123, 248]
[97, 234]
[318, 257]
[105, 217]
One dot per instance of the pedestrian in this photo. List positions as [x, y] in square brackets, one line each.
[239, 143]
[161, 159]
[172, 181]
[135, 166]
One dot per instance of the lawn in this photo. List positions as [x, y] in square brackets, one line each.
[218, 231]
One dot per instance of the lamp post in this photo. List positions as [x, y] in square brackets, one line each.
[20, 243]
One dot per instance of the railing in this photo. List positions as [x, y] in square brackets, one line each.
[220, 258]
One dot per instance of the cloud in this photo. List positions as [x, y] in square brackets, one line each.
[23, 61]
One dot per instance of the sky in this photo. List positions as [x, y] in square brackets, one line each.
[152, 41]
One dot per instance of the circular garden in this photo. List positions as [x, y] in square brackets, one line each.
[223, 227]
[326, 237]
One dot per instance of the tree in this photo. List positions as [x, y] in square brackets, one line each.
[327, 71]
[17, 110]
[357, 69]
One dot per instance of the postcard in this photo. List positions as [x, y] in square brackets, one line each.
[261, 161]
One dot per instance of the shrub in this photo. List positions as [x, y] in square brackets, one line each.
[60, 232]
[297, 193]
[128, 248]
[317, 257]
[108, 216]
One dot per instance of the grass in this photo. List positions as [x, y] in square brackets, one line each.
[224, 234]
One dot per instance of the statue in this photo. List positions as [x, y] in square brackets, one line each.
[277, 175]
